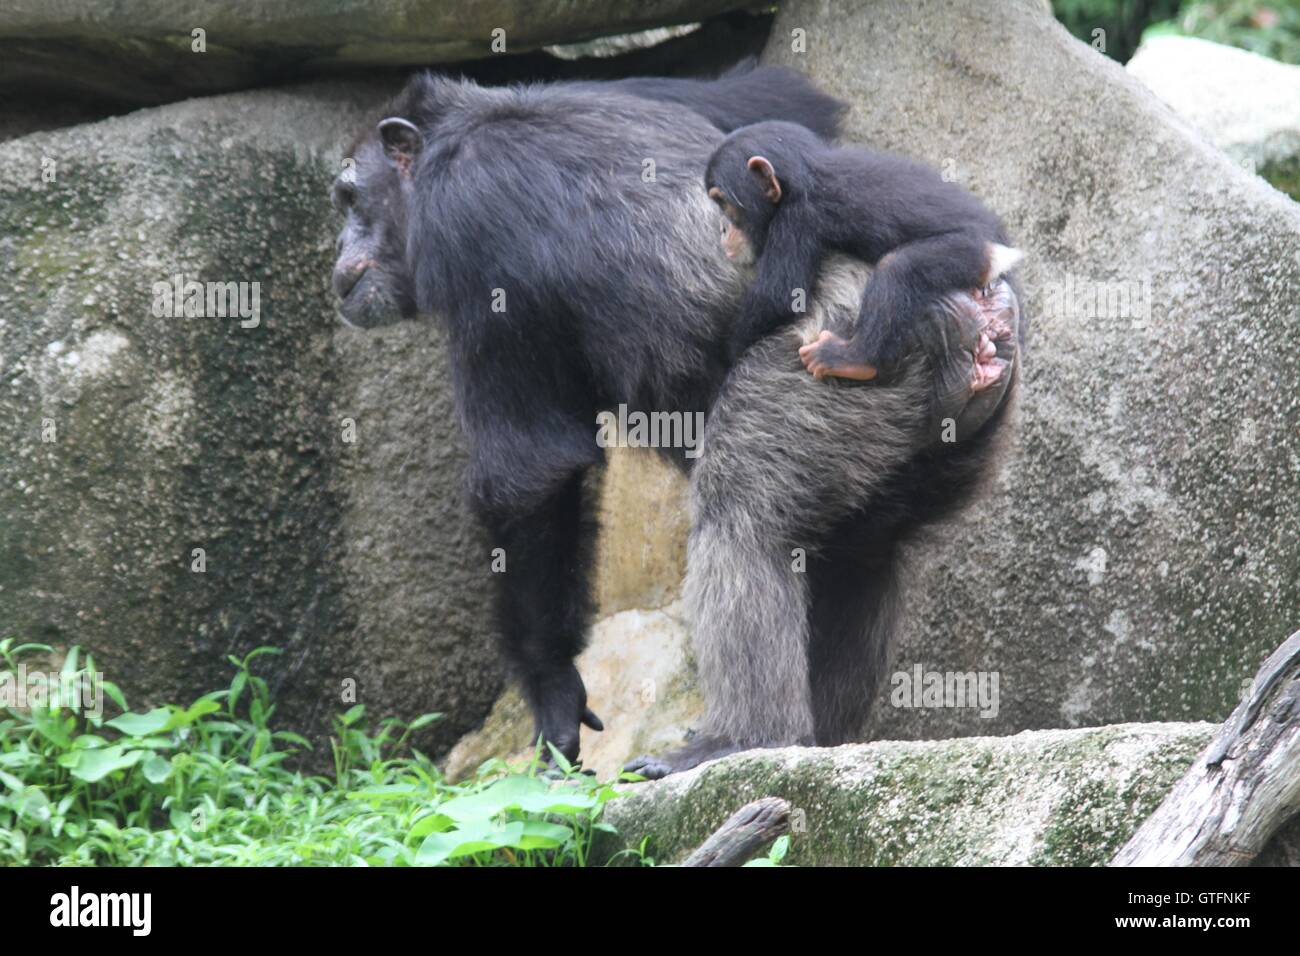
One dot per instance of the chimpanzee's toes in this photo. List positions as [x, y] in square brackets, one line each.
[698, 751]
[652, 768]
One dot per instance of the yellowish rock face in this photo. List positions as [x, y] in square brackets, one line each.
[638, 670]
[641, 681]
[641, 554]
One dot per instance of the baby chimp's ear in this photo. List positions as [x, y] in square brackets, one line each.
[762, 169]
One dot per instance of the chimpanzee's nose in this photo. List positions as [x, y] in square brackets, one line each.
[347, 273]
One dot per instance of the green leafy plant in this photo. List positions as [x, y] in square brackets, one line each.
[207, 784]
[775, 855]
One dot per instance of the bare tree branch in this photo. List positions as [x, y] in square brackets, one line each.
[1243, 787]
[746, 833]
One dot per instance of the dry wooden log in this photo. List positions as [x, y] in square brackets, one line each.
[1241, 789]
[746, 833]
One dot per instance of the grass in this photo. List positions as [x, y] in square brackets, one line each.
[208, 785]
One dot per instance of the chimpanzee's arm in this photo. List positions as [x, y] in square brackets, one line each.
[782, 288]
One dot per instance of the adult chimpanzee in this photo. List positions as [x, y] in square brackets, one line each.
[562, 233]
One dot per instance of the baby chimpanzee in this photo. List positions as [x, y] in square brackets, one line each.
[789, 199]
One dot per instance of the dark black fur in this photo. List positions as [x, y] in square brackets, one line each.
[744, 96]
[861, 203]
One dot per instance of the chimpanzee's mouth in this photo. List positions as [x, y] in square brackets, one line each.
[367, 304]
[356, 281]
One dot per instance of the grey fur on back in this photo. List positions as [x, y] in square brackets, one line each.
[786, 458]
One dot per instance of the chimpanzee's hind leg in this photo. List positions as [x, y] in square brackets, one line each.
[856, 605]
[785, 460]
[856, 579]
[799, 502]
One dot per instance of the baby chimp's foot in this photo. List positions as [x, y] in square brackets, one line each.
[988, 368]
[830, 355]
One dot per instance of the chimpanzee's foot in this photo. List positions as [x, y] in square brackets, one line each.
[973, 376]
[696, 752]
[996, 310]
[829, 355]
[988, 368]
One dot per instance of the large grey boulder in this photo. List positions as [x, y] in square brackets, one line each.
[1244, 103]
[1138, 558]
[147, 51]
[1044, 798]
[317, 467]
[1038, 798]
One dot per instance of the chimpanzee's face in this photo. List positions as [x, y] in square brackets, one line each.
[371, 277]
[735, 243]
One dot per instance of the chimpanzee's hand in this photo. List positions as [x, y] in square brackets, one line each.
[560, 708]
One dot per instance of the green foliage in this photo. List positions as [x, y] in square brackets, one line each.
[1269, 28]
[775, 855]
[207, 785]
[1284, 175]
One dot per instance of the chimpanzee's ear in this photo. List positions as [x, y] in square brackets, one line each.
[401, 140]
[766, 175]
